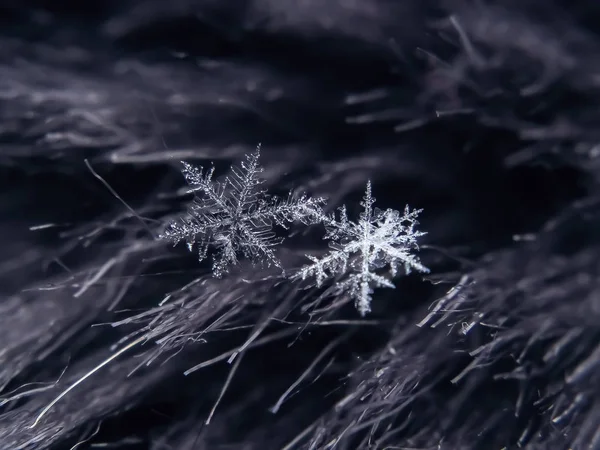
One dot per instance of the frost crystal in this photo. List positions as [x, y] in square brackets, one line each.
[235, 215]
[358, 250]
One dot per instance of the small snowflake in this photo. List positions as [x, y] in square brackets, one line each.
[235, 215]
[358, 250]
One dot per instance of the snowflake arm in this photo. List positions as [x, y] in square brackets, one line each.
[244, 182]
[360, 249]
[201, 181]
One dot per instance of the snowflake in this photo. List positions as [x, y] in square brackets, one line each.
[358, 250]
[235, 215]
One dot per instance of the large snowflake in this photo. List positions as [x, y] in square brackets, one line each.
[235, 216]
[360, 249]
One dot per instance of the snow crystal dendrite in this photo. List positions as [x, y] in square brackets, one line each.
[235, 215]
[359, 249]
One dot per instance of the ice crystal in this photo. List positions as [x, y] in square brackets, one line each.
[360, 249]
[235, 216]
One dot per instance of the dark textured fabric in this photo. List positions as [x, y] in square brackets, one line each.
[483, 113]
